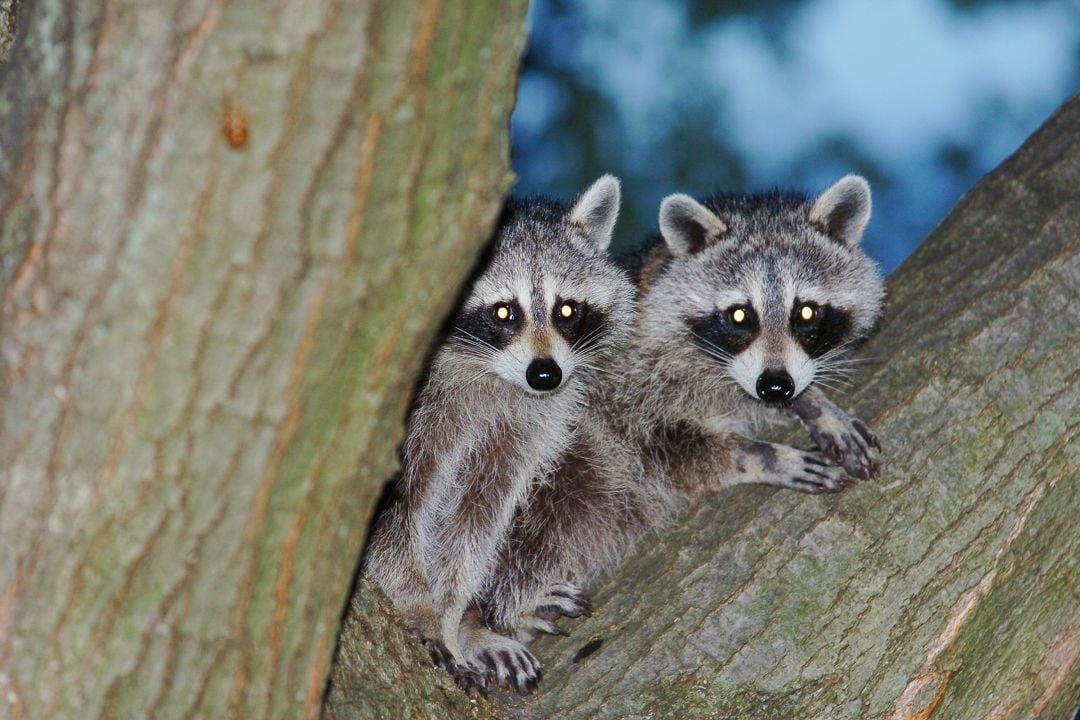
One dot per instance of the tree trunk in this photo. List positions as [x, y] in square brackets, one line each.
[946, 589]
[227, 234]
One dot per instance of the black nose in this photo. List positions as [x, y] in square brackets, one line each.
[775, 386]
[543, 374]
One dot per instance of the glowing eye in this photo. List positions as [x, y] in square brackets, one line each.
[738, 316]
[566, 311]
[502, 312]
[806, 313]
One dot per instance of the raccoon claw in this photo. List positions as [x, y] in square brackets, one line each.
[468, 679]
[818, 476]
[867, 434]
[510, 665]
[464, 676]
[850, 443]
[440, 655]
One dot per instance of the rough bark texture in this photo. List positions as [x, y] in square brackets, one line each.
[949, 588]
[227, 233]
[9, 13]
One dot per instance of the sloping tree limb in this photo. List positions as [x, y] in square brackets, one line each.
[228, 231]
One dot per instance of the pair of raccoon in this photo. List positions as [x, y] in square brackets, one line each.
[577, 403]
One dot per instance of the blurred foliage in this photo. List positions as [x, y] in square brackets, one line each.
[572, 123]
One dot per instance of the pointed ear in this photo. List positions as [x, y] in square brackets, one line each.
[842, 211]
[596, 210]
[687, 225]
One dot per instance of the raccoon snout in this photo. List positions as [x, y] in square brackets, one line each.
[775, 386]
[543, 374]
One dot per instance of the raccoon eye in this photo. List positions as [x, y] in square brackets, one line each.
[738, 315]
[503, 312]
[567, 310]
[808, 314]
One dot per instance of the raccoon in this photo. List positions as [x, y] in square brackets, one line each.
[540, 319]
[753, 305]
[746, 309]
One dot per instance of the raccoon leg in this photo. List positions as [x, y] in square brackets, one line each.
[573, 524]
[393, 565]
[845, 439]
[785, 466]
[506, 662]
[464, 529]
[693, 459]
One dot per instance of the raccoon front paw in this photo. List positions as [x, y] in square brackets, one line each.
[842, 437]
[850, 443]
[815, 474]
[563, 600]
[464, 676]
[509, 664]
[560, 600]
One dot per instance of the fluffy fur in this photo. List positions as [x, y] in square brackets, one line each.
[542, 316]
[678, 413]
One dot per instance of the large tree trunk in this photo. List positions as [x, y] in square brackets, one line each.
[948, 588]
[227, 233]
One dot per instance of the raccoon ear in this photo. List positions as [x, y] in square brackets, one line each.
[596, 210]
[843, 211]
[687, 225]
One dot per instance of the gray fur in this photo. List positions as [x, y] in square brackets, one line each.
[674, 419]
[479, 435]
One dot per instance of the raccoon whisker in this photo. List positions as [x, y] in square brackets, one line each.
[477, 353]
[466, 335]
[834, 365]
[827, 385]
[832, 372]
[589, 353]
[827, 371]
[585, 339]
[832, 383]
[839, 354]
[825, 360]
[717, 352]
[474, 344]
[724, 360]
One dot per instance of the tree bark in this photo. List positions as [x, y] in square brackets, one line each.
[227, 234]
[949, 588]
[9, 13]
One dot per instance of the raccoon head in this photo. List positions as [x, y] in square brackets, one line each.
[548, 300]
[771, 289]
